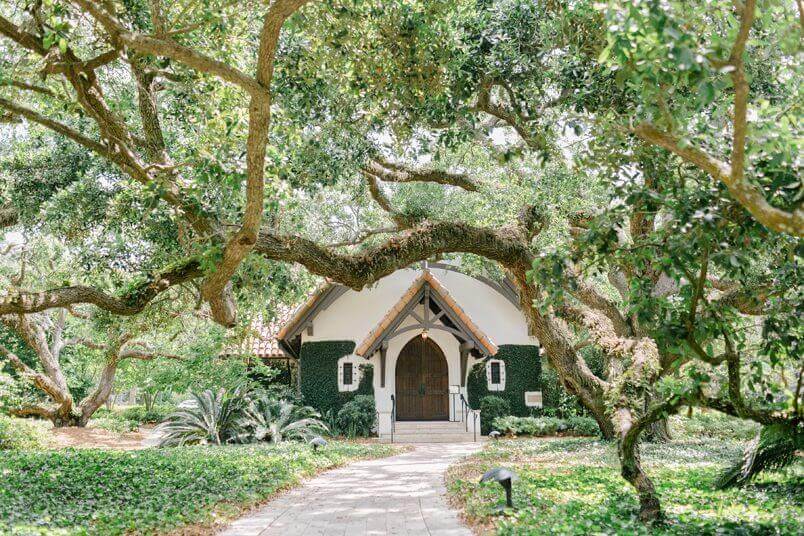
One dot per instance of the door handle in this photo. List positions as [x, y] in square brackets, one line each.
[421, 389]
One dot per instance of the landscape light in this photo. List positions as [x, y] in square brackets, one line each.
[503, 477]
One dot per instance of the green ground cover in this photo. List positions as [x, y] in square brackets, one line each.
[76, 492]
[572, 486]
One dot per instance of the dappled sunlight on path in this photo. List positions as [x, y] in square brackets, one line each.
[400, 495]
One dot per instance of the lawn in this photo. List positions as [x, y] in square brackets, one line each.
[572, 486]
[94, 491]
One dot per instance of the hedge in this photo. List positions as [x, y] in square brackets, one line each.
[318, 363]
[546, 426]
[23, 434]
[522, 373]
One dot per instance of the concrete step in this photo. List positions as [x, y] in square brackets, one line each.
[443, 430]
[434, 438]
[427, 426]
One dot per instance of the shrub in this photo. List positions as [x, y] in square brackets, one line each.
[283, 392]
[532, 426]
[23, 434]
[140, 415]
[775, 447]
[492, 407]
[356, 417]
[216, 418]
[330, 419]
[583, 426]
[117, 425]
[713, 424]
[545, 426]
[272, 420]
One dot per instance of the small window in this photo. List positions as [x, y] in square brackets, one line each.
[495, 372]
[347, 373]
[495, 375]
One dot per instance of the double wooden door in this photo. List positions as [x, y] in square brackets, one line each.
[422, 382]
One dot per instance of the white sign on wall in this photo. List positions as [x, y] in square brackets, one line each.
[533, 399]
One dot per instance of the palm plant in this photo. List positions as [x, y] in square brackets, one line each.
[214, 418]
[278, 420]
[774, 448]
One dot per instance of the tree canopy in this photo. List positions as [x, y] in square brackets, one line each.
[632, 166]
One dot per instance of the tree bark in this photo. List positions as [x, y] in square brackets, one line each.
[575, 374]
[650, 509]
[101, 393]
[658, 432]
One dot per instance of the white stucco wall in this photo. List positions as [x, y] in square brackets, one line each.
[355, 314]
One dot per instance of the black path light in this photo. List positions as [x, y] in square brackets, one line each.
[503, 477]
[318, 442]
[494, 434]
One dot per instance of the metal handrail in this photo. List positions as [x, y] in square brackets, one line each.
[466, 409]
[393, 417]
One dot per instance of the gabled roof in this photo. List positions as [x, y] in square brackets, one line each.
[424, 284]
[305, 313]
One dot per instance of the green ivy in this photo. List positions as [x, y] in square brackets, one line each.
[319, 375]
[88, 492]
[522, 373]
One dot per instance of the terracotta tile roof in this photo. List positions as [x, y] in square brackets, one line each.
[262, 339]
[427, 277]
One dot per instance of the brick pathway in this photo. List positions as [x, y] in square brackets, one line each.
[400, 495]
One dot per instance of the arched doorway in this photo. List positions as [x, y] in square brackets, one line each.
[422, 382]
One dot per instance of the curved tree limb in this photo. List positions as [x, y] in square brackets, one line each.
[41, 381]
[216, 288]
[22, 302]
[121, 36]
[392, 172]
[732, 174]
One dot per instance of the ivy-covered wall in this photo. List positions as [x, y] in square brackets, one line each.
[319, 375]
[523, 369]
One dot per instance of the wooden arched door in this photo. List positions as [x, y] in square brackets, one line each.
[422, 382]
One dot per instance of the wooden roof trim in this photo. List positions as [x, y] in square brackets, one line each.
[317, 302]
[394, 316]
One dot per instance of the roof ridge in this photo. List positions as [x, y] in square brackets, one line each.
[390, 316]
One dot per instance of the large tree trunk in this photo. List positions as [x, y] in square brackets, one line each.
[650, 509]
[98, 397]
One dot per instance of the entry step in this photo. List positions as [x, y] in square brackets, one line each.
[431, 425]
[432, 432]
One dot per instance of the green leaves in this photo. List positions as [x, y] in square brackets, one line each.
[573, 487]
[103, 492]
